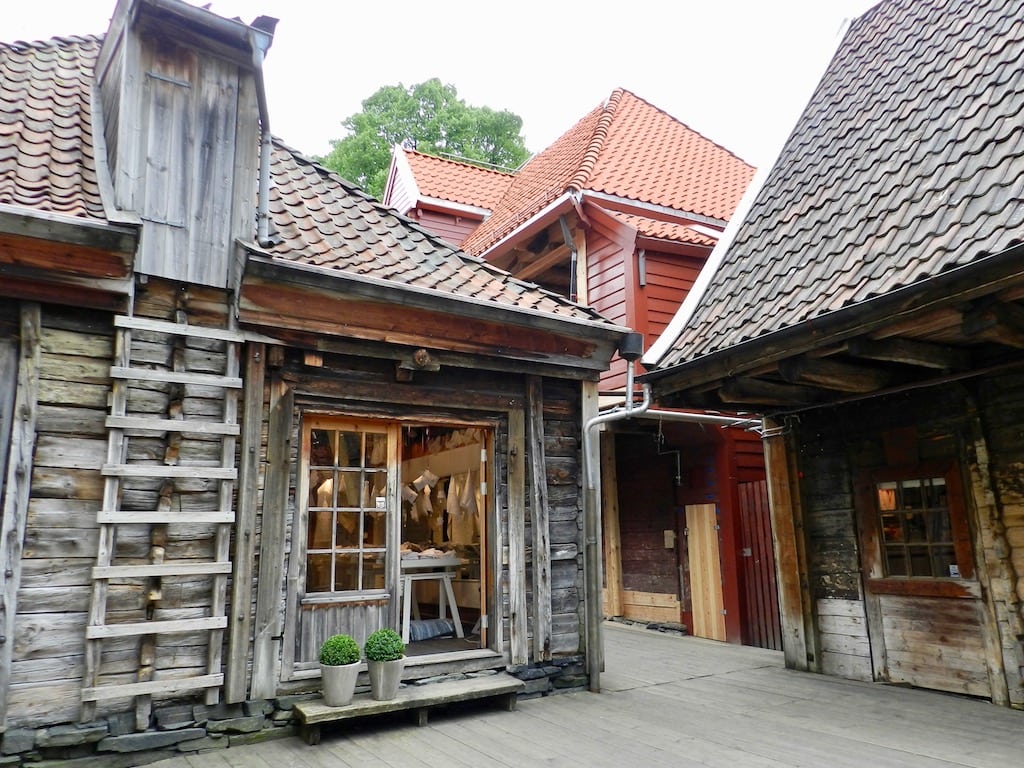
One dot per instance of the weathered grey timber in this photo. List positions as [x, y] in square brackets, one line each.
[677, 701]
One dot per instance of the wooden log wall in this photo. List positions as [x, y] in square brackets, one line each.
[60, 532]
[977, 425]
[995, 457]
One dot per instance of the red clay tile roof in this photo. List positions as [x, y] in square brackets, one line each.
[626, 148]
[46, 149]
[664, 230]
[326, 222]
[907, 162]
[457, 182]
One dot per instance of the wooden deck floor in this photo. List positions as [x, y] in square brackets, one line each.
[677, 701]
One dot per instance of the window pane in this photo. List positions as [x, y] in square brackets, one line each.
[346, 572]
[319, 530]
[376, 450]
[318, 573]
[896, 564]
[939, 527]
[887, 496]
[913, 494]
[913, 523]
[920, 561]
[348, 529]
[944, 562]
[892, 528]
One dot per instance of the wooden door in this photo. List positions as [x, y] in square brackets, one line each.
[702, 549]
[924, 604]
[761, 625]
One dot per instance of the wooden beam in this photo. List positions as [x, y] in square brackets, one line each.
[762, 392]
[266, 633]
[832, 374]
[612, 530]
[998, 323]
[518, 627]
[790, 555]
[17, 488]
[910, 352]
[539, 521]
[235, 680]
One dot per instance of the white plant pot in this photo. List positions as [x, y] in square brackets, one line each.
[385, 677]
[338, 683]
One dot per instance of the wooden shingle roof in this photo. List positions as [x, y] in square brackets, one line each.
[907, 163]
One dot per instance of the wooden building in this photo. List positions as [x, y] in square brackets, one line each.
[870, 306]
[245, 406]
[620, 214]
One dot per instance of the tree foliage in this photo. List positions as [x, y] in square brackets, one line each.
[429, 117]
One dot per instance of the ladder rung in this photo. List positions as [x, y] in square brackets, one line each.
[177, 685]
[170, 626]
[177, 329]
[172, 425]
[161, 569]
[169, 470]
[175, 377]
[170, 516]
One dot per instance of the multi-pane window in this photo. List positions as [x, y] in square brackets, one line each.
[915, 525]
[348, 509]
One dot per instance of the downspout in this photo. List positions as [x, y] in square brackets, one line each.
[631, 349]
[260, 45]
[573, 258]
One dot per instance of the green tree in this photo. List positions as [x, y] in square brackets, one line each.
[429, 117]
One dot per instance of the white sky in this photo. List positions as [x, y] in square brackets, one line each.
[738, 71]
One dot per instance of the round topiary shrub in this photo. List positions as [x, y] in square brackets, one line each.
[338, 650]
[384, 645]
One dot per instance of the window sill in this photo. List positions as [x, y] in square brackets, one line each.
[925, 587]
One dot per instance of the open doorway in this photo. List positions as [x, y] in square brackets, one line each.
[444, 538]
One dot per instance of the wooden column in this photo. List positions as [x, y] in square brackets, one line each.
[790, 558]
[266, 632]
[17, 487]
[518, 639]
[539, 522]
[235, 680]
[612, 531]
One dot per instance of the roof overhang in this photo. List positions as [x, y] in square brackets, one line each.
[936, 322]
[65, 259]
[374, 310]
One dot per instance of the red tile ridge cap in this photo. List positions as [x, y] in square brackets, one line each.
[593, 151]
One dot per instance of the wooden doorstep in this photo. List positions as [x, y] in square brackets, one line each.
[312, 714]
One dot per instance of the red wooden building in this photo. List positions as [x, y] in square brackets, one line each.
[620, 214]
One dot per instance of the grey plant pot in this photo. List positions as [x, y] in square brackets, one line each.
[385, 677]
[338, 683]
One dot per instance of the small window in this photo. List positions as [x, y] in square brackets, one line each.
[917, 536]
[922, 528]
[346, 543]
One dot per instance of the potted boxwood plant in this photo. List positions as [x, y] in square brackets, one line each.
[339, 668]
[385, 659]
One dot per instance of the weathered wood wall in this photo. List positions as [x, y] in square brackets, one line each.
[977, 425]
[61, 534]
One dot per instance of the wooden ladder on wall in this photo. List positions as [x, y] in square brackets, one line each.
[121, 465]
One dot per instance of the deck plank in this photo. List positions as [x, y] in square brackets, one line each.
[679, 702]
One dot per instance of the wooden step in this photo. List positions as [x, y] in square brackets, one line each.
[160, 569]
[169, 470]
[178, 685]
[175, 377]
[177, 329]
[143, 423]
[169, 626]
